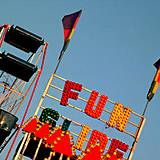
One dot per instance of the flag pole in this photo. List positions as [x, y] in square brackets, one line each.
[146, 106]
[59, 61]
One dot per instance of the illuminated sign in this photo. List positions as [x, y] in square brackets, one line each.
[119, 117]
[55, 138]
[56, 126]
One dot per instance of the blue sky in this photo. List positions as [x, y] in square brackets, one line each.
[112, 50]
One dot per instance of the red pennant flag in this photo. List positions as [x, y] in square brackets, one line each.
[69, 24]
[31, 126]
[94, 154]
[64, 146]
[43, 131]
[53, 137]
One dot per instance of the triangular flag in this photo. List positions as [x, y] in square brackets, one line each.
[64, 146]
[54, 136]
[43, 131]
[94, 154]
[155, 83]
[69, 24]
[30, 126]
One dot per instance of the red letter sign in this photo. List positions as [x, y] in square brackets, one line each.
[119, 117]
[95, 113]
[100, 137]
[116, 144]
[67, 93]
